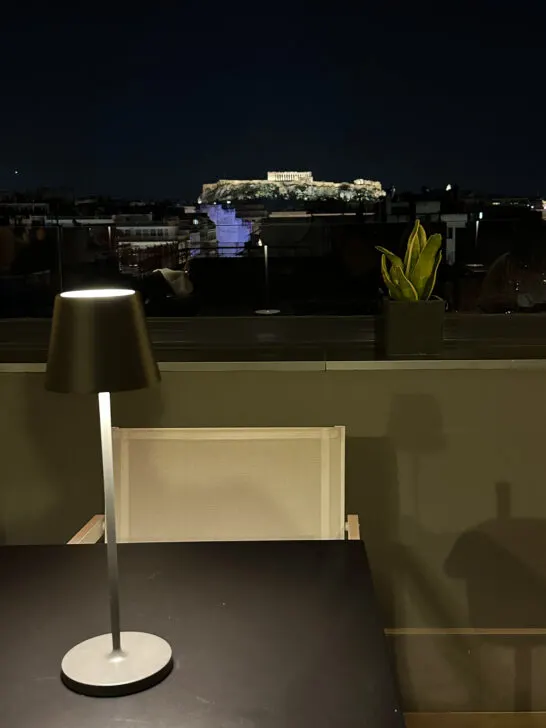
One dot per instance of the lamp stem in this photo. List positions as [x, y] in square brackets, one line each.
[110, 513]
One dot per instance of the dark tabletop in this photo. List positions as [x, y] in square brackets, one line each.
[264, 635]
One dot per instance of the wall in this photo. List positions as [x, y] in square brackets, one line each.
[445, 468]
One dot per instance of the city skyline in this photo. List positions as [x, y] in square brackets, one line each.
[156, 104]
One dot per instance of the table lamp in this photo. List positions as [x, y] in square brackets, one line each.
[100, 344]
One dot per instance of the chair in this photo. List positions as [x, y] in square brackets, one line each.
[228, 484]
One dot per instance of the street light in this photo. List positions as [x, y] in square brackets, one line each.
[266, 311]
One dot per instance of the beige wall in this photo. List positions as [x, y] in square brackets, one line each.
[446, 469]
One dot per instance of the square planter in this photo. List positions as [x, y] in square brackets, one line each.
[412, 328]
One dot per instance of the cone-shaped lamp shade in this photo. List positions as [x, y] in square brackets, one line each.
[99, 343]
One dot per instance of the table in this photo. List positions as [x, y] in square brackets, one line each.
[264, 635]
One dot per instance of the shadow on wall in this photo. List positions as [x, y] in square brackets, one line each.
[373, 491]
[384, 486]
[51, 462]
[454, 649]
[140, 408]
[376, 500]
[440, 662]
[416, 430]
[52, 438]
[389, 501]
[502, 564]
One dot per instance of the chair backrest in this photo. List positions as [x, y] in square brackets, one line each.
[230, 484]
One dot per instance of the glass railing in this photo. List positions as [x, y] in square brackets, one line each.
[297, 268]
[30, 270]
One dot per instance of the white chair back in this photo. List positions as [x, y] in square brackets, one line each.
[230, 483]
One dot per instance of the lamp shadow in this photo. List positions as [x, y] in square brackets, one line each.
[405, 556]
[404, 581]
[501, 561]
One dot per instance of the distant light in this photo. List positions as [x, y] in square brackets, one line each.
[16, 171]
[480, 216]
[448, 187]
[260, 243]
[195, 221]
[228, 202]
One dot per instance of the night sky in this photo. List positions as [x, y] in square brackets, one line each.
[154, 100]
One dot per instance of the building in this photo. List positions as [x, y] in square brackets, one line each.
[152, 233]
[289, 176]
[144, 244]
[139, 229]
[197, 233]
[68, 221]
[298, 189]
[24, 213]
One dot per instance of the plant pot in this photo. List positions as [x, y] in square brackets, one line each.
[412, 328]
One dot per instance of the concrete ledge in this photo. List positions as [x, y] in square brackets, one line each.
[437, 364]
[321, 366]
[475, 720]
[242, 366]
[194, 366]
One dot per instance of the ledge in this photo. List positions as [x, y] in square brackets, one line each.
[332, 342]
[193, 366]
[317, 366]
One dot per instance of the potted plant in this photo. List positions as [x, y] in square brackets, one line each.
[412, 320]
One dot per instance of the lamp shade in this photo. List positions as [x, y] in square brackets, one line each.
[99, 343]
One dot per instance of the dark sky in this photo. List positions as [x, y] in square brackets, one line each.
[157, 99]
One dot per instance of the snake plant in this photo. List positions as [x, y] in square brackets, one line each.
[414, 278]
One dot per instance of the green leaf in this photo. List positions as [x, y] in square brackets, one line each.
[424, 267]
[405, 286]
[403, 290]
[393, 259]
[394, 292]
[412, 249]
[427, 293]
[422, 238]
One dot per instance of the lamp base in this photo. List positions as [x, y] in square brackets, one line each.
[91, 668]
